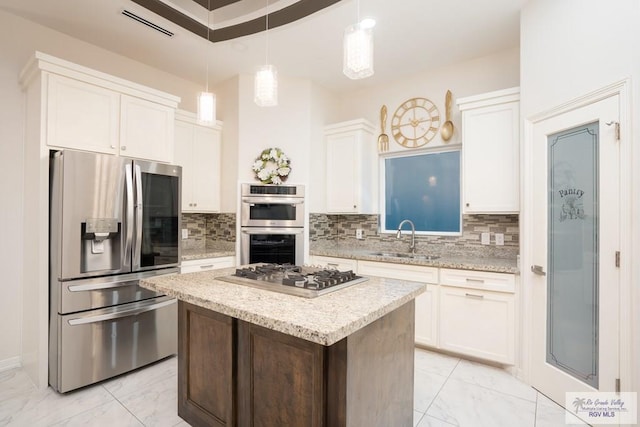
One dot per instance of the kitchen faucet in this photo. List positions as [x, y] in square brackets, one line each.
[413, 234]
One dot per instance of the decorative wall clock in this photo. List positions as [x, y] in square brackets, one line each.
[415, 122]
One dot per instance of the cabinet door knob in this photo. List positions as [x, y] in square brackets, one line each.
[467, 204]
[123, 148]
[113, 146]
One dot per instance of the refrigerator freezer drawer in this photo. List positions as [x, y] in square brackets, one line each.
[99, 344]
[100, 292]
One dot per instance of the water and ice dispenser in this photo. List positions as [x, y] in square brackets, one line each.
[101, 240]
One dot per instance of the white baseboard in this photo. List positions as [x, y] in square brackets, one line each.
[10, 363]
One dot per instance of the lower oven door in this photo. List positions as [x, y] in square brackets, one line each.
[98, 344]
[279, 245]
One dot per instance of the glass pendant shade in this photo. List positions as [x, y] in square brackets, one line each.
[358, 52]
[266, 86]
[206, 107]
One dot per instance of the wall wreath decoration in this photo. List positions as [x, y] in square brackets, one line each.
[272, 166]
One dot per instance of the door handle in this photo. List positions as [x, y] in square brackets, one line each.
[537, 269]
[120, 313]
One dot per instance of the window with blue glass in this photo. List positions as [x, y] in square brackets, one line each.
[424, 188]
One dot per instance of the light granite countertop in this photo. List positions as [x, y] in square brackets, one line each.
[324, 320]
[458, 260]
[211, 250]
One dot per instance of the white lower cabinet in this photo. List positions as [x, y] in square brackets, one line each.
[427, 317]
[426, 329]
[474, 320]
[463, 311]
[192, 266]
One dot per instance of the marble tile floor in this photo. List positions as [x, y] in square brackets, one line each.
[448, 391]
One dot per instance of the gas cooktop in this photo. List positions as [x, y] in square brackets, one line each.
[307, 281]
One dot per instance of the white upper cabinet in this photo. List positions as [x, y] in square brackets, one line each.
[352, 178]
[82, 116]
[198, 151]
[87, 110]
[146, 129]
[490, 152]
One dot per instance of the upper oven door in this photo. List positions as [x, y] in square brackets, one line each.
[272, 211]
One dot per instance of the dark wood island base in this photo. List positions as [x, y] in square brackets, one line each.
[235, 373]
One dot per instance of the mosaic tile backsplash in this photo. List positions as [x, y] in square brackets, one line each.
[330, 230]
[341, 230]
[204, 227]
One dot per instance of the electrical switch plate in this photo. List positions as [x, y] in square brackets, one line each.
[485, 238]
[185, 233]
[359, 234]
[499, 239]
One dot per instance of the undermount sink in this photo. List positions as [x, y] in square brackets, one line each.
[405, 255]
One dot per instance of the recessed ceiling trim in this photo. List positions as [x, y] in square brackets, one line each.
[146, 22]
[278, 18]
[215, 4]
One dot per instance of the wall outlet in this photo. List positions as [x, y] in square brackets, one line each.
[185, 233]
[485, 238]
[499, 239]
[359, 233]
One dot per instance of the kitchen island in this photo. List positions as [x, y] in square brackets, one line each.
[254, 357]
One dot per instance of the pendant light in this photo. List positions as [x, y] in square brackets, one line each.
[358, 48]
[265, 84]
[206, 99]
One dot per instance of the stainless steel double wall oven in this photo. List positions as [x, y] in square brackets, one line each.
[272, 224]
[113, 221]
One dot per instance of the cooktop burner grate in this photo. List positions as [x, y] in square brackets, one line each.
[294, 280]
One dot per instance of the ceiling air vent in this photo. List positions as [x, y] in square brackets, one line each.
[149, 24]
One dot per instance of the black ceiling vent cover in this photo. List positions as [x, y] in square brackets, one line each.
[149, 24]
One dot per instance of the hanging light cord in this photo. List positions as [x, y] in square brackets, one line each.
[266, 53]
[207, 49]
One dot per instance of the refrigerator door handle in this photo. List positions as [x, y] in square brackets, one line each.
[101, 286]
[137, 238]
[129, 214]
[120, 313]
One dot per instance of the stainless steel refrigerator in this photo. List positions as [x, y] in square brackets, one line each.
[113, 221]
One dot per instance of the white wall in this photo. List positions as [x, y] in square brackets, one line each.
[286, 126]
[498, 71]
[568, 49]
[228, 111]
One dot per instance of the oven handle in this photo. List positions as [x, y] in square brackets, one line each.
[272, 230]
[272, 200]
[120, 313]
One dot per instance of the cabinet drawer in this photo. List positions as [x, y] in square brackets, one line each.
[414, 273]
[483, 280]
[478, 323]
[192, 266]
[341, 264]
